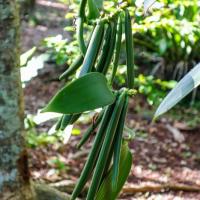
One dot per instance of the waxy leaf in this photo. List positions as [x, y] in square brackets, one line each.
[86, 93]
[190, 81]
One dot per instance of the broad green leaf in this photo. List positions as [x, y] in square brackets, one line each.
[25, 57]
[106, 191]
[190, 81]
[86, 93]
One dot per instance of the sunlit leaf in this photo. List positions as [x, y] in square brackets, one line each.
[190, 81]
[86, 93]
[43, 117]
[33, 66]
[25, 57]
[150, 4]
[76, 131]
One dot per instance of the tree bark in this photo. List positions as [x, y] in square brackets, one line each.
[14, 173]
[15, 181]
[26, 6]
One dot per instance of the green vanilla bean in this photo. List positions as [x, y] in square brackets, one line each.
[111, 48]
[117, 47]
[93, 155]
[93, 49]
[80, 38]
[105, 48]
[58, 124]
[75, 65]
[105, 191]
[118, 144]
[108, 163]
[65, 121]
[129, 50]
[75, 118]
[105, 150]
[90, 130]
[81, 12]
[110, 156]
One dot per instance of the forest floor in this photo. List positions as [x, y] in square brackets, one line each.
[166, 154]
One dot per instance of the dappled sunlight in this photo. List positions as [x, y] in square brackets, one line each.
[31, 70]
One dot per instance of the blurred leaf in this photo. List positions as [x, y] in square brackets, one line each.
[86, 93]
[93, 11]
[69, 15]
[190, 81]
[25, 57]
[31, 70]
[148, 4]
[43, 117]
[34, 139]
[57, 163]
[153, 89]
[99, 4]
[76, 131]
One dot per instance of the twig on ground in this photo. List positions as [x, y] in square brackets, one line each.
[158, 188]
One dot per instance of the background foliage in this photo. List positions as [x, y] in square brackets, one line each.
[166, 43]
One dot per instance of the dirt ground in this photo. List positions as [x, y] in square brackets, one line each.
[166, 154]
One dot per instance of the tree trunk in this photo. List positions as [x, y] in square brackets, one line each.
[14, 174]
[26, 6]
[15, 181]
